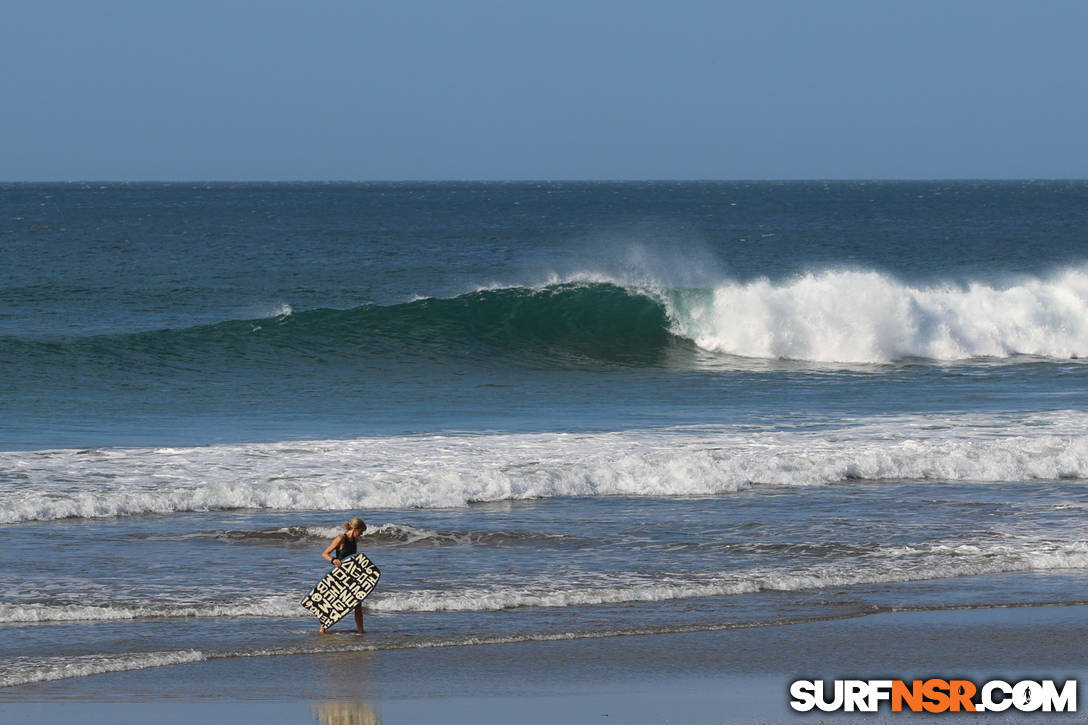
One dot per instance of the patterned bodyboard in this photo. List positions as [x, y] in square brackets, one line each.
[342, 588]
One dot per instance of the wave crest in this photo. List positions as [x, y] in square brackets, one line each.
[833, 316]
[444, 471]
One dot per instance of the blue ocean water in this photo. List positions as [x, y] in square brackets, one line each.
[611, 408]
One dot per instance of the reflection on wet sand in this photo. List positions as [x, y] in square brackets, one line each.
[347, 713]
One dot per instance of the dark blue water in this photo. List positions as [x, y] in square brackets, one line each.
[188, 314]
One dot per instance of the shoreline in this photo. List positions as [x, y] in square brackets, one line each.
[735, 675]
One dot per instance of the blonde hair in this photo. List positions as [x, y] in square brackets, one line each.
[355, 523]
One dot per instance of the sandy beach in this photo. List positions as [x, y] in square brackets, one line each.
[727, 676]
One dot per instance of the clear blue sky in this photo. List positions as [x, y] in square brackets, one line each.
[505, 89]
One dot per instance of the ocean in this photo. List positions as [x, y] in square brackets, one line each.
[565, 410]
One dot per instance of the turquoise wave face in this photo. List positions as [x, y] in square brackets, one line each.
[566, 324]
[561, 324]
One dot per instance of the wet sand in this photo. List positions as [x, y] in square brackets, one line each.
[729, 676]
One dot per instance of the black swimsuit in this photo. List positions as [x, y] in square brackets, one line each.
[347, 548]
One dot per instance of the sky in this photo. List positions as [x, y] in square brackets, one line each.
[512, 89]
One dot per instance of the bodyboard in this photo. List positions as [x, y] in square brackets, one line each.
[342, 588]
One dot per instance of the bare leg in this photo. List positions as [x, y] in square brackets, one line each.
[359, 618]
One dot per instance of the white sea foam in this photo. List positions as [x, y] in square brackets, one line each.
[24, 670]
[445, 471]
[282, 605]
[385, 533]
[314, 532]
[869, 317]
[885, 565]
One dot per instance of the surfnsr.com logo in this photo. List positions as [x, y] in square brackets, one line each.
[933, 695]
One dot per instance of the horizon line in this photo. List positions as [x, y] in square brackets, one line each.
[602, 180]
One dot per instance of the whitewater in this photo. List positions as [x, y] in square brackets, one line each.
[458, 470]
[868, 317]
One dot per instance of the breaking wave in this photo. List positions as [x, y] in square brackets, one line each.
[868, 317]
[832, 316]
[459, 470]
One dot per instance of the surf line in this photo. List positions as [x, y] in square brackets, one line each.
[161, 659]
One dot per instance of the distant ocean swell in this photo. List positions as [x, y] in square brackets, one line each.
[829, 316]
[445, 471]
